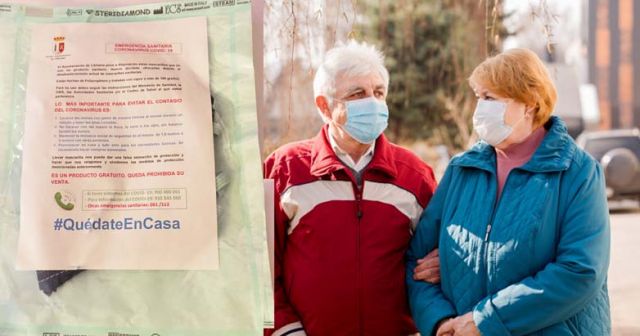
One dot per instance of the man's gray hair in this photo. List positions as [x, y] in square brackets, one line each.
[351, 59]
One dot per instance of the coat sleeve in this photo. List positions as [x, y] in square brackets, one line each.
[287, 321]
[565, 286]
[428, 304]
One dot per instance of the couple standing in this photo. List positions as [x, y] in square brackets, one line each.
[514, 240]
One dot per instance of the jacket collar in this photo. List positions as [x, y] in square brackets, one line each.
[325, 161]
[554, 153]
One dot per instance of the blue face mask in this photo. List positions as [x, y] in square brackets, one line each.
[367, 118]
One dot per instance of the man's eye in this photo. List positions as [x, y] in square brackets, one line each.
[379, 94]
[488, 98]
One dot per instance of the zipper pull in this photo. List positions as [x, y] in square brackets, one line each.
[486, 236]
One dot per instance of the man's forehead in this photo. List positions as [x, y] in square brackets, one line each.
[347, 82]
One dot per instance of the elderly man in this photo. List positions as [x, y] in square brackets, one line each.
[346, 204]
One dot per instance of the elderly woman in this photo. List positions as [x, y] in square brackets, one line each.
[520, 220]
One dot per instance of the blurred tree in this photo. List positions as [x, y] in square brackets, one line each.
[431, 47]
[296, 36]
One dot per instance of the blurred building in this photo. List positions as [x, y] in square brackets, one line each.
[569, 104]
[613, 28]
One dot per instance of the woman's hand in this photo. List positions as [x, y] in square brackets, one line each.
[428, 268]
[459, 326]
[445, 328]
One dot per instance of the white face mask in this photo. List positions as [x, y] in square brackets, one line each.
[488, 121]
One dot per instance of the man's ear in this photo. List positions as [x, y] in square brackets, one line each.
[323, 105]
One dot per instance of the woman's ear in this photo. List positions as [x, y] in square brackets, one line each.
[530, 111]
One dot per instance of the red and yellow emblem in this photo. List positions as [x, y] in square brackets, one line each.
[58, 46]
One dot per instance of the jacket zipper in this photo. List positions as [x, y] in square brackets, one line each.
[485, 247]
[357, 191]
[485, 252]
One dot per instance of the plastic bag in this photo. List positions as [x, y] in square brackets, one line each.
[231, 301]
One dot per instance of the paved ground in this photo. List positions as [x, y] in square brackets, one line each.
[624, 271]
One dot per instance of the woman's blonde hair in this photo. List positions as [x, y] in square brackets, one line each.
[521, 75]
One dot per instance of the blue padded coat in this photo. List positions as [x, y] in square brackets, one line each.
[533, 262]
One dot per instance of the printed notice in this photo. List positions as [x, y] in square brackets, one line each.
[118, 168]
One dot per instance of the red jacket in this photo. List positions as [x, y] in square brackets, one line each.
[339, 250]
